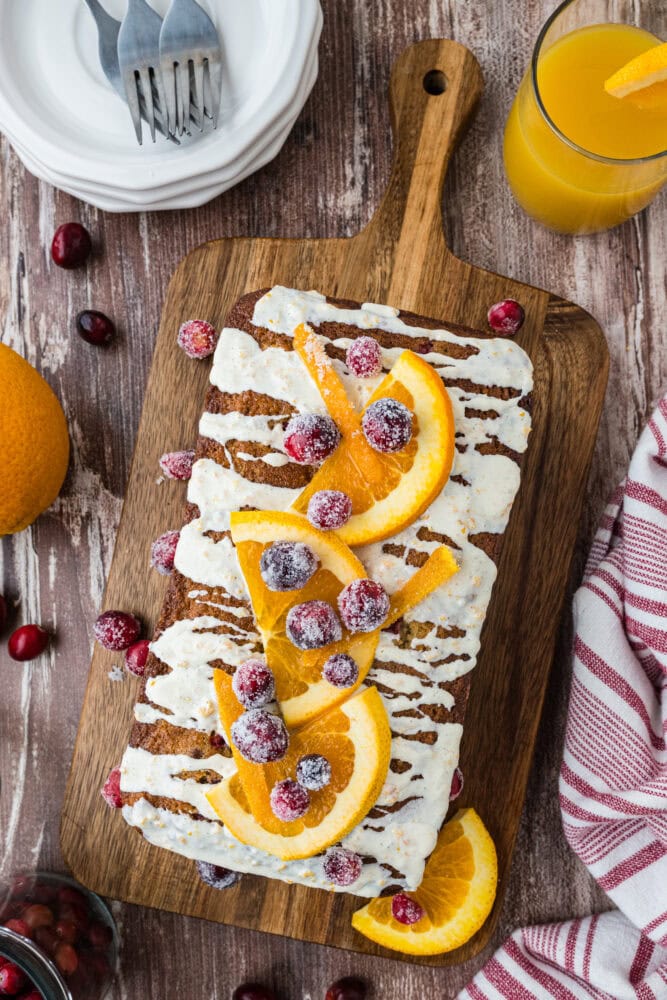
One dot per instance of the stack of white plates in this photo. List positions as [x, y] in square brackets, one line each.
[69, 127]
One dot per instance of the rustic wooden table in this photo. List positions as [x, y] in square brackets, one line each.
[326, 182]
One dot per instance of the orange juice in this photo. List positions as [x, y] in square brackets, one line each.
[566, 187]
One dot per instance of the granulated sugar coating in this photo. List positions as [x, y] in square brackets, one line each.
[163, 551]
[197, 338]
[364, 357]
[310, 438]
[342, 867]
[177, 464]
[363, 605]
[312, 625]
[329, 510]
[116, 630]
[287, 565]
[260, 737]
[217, 877]
[254, 684]
[341, 670]
[387, 425]
[313, 772]
[289, 801]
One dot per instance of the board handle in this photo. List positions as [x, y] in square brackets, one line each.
[435, 86]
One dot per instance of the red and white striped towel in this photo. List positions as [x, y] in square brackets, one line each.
[613, 782]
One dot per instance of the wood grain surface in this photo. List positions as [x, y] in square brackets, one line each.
[399, 258]
[326, 182]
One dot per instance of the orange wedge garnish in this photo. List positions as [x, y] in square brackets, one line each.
[456, 894]
[388, 491]
[356, 740]
[643, 80]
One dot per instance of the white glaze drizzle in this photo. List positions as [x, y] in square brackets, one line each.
[481, 502]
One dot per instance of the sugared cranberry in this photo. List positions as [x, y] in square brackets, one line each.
[254, 684]
[387, 425]
[66, 959]
[217, 740]
[457, 784]
[364, 357]
[312, 625]
[329, 509]
[71, 245]
[217, 877]
[111, 789]
[253, 991]
[27, 642]
[310, 438]
[3, 612]
[349, 988]
[342, 867]
[289, 801]
[197, 338]
[260, 737]
[136, 656]
[341, 670]
[12, 980]
[67, 931]
[163, 552]
[406, 910]
[47, 939]
[177, 464]
[506, 317]
[313, 772]
[95, 328]
[116, 630]
[287, 565]
[38, 915]
[19, 927]
[363, 605]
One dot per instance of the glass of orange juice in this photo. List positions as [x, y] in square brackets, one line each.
[577, 158]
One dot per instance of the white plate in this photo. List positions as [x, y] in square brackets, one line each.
[56, 104]
[185, 194]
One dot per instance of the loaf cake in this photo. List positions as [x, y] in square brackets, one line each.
[422, 664]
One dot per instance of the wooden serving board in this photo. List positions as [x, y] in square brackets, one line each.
[401, 258]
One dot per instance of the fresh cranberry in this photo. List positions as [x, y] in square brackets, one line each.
[217, 877]
[406, 910]
[310, 438]
[67, 931]
[254, 684]
[38, 915]
[341, 670]
[163, 552]
[342, 867]
[349, 988]
[12, 980]
[313, 772]
[76, 914]
[95, 328]
[457, 784]
[363, 606]
[136, 656]
[111, 789]
[27, 642]
[506, 317]
[364, 357]
[44, 893]
[253, 991]
[260, 737]
[47, 939]
[99, 966]
[3, 612]
[387, 425]
[177, 464]
[217, 740]
[33, 995]
[71, 245]
[289, 801]
[100, 935]
[329, 509]
[19, 927]
[197, 338]
[287, 565]
[312, 625]
[68, 894]
[116, 630]
[66, 959]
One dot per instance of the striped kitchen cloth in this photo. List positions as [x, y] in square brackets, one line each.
[613, 781]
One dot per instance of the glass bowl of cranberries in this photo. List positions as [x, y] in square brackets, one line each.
[58, 941]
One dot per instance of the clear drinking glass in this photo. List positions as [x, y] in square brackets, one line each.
[579, 160]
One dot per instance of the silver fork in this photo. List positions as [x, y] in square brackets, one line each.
[191, 63]
[138, 57]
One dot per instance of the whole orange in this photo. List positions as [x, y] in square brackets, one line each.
[34, 444]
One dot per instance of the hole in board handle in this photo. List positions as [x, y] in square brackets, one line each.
[435, 82]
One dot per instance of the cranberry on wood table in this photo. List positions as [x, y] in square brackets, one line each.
[329, 177]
